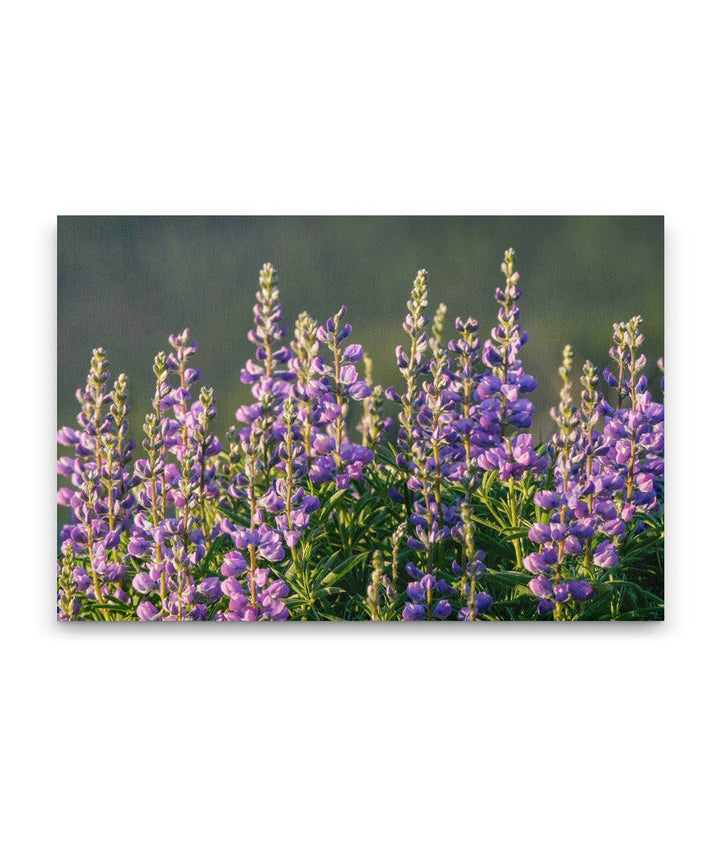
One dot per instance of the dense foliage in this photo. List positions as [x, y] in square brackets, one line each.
[448, 511]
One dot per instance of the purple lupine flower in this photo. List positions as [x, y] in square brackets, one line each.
[352, 353]
[147, 611]
[170, 533]
[178, 399]
[423, 593]
[233, 564]
[68, 599]
[268, 326]
[382, 589]
[210, 589]
[634, 434]
[413, 612]
[310, 385]
[580, 590]
[272, 379]
[247, 593]
[412, 365]
[501, 354]
[268, 601]
[605, 555]
[565, 538]
[102, 500]
[143, 583]
[340, 458]
[428, 461]
[541, 587]
[288, 500]
[187, 540]
[536, 564]
[471, 570]
[478, 418]
[426, 427]
[546, 499]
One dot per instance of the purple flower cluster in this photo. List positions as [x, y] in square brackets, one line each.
[458, 408]
[293, 437]
[174, 525]
[161, 531]
[191, 530]
[431, 596]
[604, 479]
[321, 385]
[501, 390]
[465, 413]
[425, 440]
[101, 498]
[156, 523]
[337, 458]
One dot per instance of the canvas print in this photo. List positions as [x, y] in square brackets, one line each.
[382, 419]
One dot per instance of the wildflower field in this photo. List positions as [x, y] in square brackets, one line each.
[439, 505]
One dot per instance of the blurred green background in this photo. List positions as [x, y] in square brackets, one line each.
[127, 282]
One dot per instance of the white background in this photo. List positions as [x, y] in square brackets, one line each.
[340, 739]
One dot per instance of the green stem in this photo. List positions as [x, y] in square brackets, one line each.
[514, 522]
